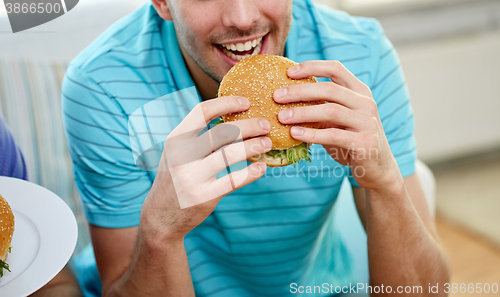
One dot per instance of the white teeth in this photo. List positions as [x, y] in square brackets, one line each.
[257, 49]
[243, 46]
[248, 45]
[230, 54]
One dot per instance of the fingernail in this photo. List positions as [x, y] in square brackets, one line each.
[262, 166]
[294, 69]
[280, 93]
[243, 101]
[285, 114]
[297, 131]
[266, 142]
[265, 125]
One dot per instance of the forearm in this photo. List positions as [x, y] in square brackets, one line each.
[156, 269]
[59, 291]
[401, 250]
[63, 284]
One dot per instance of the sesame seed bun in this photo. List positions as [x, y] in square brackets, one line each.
[256, 78]
[6, 228]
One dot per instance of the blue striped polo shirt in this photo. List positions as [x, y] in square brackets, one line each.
[269, 234]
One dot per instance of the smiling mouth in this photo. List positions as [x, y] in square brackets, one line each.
[239, 51]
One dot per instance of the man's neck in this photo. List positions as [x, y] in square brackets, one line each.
[206, 86]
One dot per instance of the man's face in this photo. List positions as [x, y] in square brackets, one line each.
[219, 33]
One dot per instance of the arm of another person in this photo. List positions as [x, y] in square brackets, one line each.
[403, 244]
[64, 284]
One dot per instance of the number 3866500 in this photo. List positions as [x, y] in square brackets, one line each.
[33, 7]
[471, 288]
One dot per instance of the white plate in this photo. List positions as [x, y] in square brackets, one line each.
[45, 234]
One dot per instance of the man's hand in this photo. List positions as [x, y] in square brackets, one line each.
[150, 260]
[186, 190]
[350, 131]
[403, 246]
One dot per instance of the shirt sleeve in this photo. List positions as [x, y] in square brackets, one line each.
[11, 160]
[390, 91]
[111, 187]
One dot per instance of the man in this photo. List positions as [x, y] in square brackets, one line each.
[12, 165]
[275, 229]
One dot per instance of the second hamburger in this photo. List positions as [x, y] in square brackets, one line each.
[6, 233]
[256, 78]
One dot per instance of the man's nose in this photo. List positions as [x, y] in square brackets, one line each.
[241, 14]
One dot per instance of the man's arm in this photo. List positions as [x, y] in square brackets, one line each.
[402, 241]
[133, 263]
[403, 244]
[150, 260]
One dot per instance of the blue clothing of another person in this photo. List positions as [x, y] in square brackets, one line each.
[11, 160]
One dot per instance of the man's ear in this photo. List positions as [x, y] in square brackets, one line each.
[162, 8]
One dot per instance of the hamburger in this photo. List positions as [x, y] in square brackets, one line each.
[6, 232]
[256, 78]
